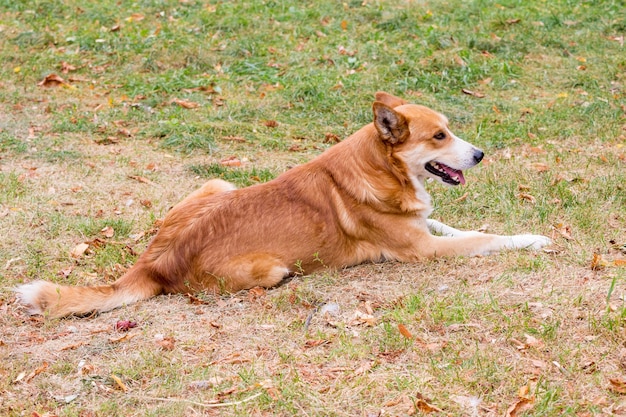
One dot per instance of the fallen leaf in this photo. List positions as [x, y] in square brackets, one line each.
[459, 61]
[520, 406]
[367, 366]
[404, 331]
[108, 231]
[73, 346]
[271, 123]
[618, 385]
[513, 21]
[540, 166]
[527, 197]
[52, 80]
[124, 338]
[472, 93]
[344, 24]
[331, 137]
[532, 341]
[65, 272]
[79, 250]
[118, 383]
[362, 318]
[186, 104]
[314, 343]
[33, 374]
[598, 262]
[167, 343]
[564, 230]
[256, 292]
[231, 161]
[425, 407]
[67, 67]
[135, 17]
[140, 179]
[146, 203]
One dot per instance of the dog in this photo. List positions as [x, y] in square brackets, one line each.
[361, 200]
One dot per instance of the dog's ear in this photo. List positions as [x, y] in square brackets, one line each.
[390, 100]
[391, 125]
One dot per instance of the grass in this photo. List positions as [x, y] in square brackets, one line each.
[157, 94]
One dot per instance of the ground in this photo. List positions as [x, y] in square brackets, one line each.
[111, 113]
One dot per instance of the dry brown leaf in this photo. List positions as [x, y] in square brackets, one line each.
[52, 80]
[331, 137]
[540, 166]
[618, 385]
[108, 231]
[459, 61]
[167, 343]
[532, 341]
[73, 346]
[598, 262]
[520, 406]
[271, 123]
[527, 197]
[426, 408]
[146, 203]
[186, 104]
[140, 179]
[314, 343]
[33, 374]
[65, 272]
[231, 161]
[564, 230]
[135, 17]
[124, 338]
[256, 292]
[79, 250]
[472, 93]
[513, 21]
[367, 366]
[462, 198]
[362, 318]
[404, 331]
[67, 67]
[344, 24]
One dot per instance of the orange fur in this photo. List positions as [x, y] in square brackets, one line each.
[361, 200]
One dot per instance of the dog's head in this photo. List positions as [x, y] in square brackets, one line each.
[421, 139]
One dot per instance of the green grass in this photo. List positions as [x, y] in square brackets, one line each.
[74, 159]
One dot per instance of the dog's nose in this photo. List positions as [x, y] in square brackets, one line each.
[478, 155]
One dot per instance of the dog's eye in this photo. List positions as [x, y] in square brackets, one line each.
[440, 136]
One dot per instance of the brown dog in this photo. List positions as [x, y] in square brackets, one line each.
[361, 200]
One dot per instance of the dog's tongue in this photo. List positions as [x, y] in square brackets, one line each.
[454, 172]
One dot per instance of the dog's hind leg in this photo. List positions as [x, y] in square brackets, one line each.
[252, 270]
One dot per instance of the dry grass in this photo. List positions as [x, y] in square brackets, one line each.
[538, 334]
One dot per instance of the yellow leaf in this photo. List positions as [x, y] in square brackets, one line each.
[344, 24]
[119, 383]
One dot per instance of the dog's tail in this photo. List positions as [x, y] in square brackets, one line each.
[43, 297]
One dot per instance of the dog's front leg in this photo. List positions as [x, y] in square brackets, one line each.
[439, 228]
[470, 243]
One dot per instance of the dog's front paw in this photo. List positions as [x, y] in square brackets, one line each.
[533, 242]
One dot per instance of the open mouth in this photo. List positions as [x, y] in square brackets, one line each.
[448, 175]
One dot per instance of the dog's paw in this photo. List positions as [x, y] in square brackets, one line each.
[533, 242]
